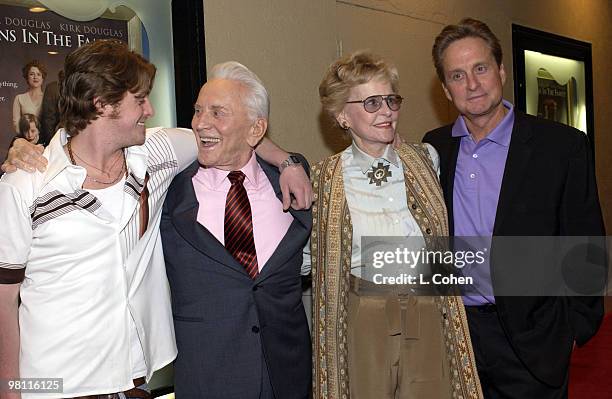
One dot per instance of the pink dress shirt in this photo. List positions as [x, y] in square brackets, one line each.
[270, 223]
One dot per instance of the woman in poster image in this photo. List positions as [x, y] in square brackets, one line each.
[373, 341]
[30, 102]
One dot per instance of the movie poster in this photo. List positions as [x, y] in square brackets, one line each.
[556, 102]
[46, 37]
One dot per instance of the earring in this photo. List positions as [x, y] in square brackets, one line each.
[344, 125]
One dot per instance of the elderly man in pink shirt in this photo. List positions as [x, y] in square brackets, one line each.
[233, 256]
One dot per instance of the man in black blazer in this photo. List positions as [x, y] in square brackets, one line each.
[241, 328]
[505, 173]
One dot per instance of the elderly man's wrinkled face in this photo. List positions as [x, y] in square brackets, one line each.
[225, 132]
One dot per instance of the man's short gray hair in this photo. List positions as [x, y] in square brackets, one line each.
[257, 101]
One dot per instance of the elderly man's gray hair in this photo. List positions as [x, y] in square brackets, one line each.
[257, 102]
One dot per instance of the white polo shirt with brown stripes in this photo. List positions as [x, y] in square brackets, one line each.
[87, 277]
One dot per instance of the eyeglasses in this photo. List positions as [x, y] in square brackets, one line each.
[373, 103]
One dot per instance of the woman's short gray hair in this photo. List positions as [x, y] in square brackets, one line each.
[257, 101]
[350, 71]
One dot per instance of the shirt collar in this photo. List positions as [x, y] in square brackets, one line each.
[501, 134]
[135, 159]
[58, 161]
[365, 161]
[216, 177]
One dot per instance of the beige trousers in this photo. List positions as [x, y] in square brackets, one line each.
[395, 345]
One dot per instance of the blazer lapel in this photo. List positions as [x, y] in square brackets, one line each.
[517, 161]
[447, 178]
[292, 242]
[184, 216]
[296, 235]
[272, 173]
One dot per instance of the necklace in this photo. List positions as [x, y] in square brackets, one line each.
[90, 165]
[91, 178]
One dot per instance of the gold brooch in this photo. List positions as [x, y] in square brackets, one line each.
[379, 174]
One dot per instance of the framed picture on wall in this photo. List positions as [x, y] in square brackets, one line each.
[553, 78]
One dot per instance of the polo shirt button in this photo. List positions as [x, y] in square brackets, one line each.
[428, 231]
[255, 329]
[414, 206]
[472, 175]
[474, 156]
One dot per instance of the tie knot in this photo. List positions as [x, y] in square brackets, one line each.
[236, 177]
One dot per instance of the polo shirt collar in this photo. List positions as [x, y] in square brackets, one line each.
[365, 161]
[501, 134]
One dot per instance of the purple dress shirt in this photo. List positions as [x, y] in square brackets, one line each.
[478, 179]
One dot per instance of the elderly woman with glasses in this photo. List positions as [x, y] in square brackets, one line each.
[370, 340]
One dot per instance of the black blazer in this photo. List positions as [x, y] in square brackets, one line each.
[225, 322]
[548, 189]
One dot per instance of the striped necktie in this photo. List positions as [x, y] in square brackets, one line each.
[238, 225]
